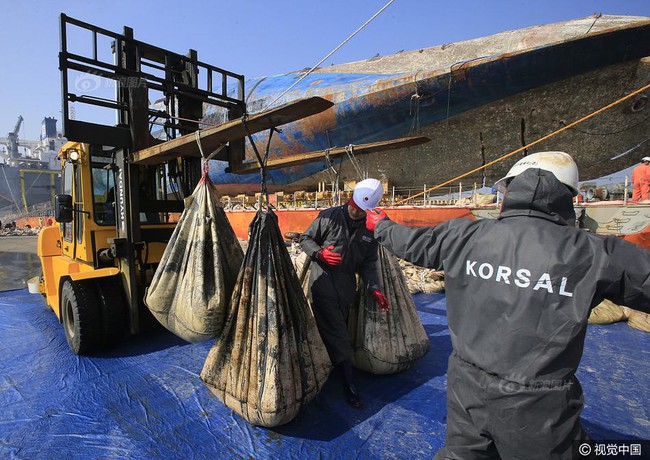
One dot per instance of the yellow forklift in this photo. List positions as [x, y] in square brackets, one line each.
[124, 183]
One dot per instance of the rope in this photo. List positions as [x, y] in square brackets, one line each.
[449, 94]
[627, 128]
[204, 159]
[197, 136]
[33, 183]
[330, 167]
[334, 177]
[548, 136]
[355, 162]
[331, 53]
[4, 173]
[261, 161]
[598, 16]
[451, 76]
[415, 113]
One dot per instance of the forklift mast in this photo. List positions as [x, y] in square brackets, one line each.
[135, 72]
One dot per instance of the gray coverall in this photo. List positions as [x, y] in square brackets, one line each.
[333, 288]
[519, 292]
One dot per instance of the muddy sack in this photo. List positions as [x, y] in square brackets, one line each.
[386, 342]
[269, 361]
[302, 264]
[191, 289]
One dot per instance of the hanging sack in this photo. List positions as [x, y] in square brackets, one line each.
[191, 288]
[302, 265]
[270, 360]
[386, 342]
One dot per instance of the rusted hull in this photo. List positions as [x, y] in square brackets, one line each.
[628, 221]
[297, 220]
[496, 97]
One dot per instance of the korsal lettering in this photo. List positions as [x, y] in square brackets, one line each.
[522, 277]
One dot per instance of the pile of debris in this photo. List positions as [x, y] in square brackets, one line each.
[22, 231]
[608, 312]
[420, 279]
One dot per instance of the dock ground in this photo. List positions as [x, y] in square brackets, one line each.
[144, 399]
[18, 261]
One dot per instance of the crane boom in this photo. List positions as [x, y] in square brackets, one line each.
[17, 128]
[13, 137]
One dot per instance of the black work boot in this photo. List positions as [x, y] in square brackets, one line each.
[350, 390]
[353, 396]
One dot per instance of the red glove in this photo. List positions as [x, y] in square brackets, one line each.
[372, 217]
[328, 256]
[381, 300]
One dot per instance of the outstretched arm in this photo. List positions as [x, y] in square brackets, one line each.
[420, 246]
[629, 269]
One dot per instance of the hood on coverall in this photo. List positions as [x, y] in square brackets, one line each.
[537, 193]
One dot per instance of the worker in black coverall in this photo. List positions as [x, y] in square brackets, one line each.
[519, 291]
[339, 245]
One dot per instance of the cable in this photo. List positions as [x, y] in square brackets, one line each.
[261, 161]
[355, 162]
[596, 17]
[11, 191]
[630, 150]
[331, 53]
[627, 128]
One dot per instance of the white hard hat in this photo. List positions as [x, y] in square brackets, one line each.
[559, 163]
[367, 194]
[645, 159]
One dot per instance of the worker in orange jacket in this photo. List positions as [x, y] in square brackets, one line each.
[641, 180]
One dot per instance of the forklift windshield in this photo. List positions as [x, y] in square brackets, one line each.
[103, 186]
[153, 189]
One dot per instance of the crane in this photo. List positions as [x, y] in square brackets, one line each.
[13, 138]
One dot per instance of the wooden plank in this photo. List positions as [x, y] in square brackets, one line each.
[212, 138]
[304, 158]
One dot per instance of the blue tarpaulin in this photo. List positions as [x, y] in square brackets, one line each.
[144, 399]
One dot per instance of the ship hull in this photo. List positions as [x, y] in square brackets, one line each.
[630, 221]
[37, 188]
[474, 112]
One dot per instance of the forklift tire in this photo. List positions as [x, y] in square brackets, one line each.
[80, 315]
[112, 304]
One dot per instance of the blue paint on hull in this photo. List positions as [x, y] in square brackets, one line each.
[376, 107]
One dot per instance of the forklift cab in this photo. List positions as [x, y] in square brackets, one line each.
[89, 212]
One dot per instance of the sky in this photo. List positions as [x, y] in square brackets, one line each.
[254, 37]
